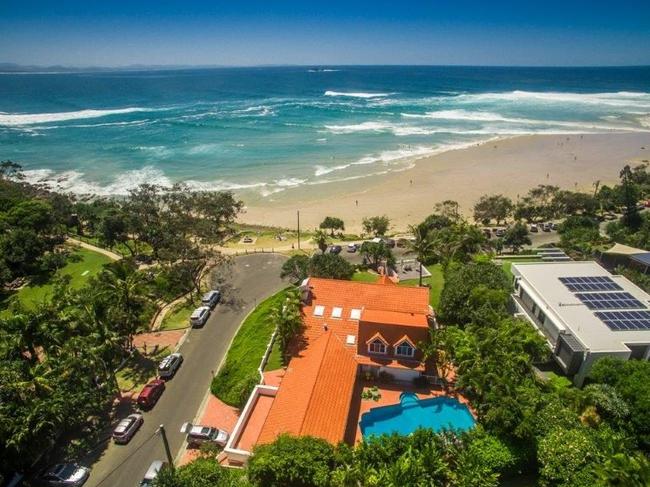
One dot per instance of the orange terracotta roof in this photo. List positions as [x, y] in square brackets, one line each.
[394, 318]
[315, 394]
[405, 338]
[375, 337]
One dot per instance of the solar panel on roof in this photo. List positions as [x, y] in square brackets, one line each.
[615, 300]
[590, 283]
[625, 320]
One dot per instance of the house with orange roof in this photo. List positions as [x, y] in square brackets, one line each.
[351, 330]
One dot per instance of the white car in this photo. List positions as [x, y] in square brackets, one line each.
[152, 472]
[169, 365]
[65, 475]
[199, 316]
[197, 435]
[127, 428]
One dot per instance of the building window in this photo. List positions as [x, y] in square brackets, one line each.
[377, 346]
[405, 349]
[337, 312]
[319, 310]
[355, 314]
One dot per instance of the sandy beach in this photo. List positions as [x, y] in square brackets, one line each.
[508, 166]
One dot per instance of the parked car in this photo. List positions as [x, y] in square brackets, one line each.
[65, 474]
[197, 435]
[554, 226]
[151, 393]
[152, 472]
[352, 248]
[126, 428]
[211, 298]
[247, 239]
[335, 249]
[199, 316]
[500, 232]
[533, 228]
[169, 365]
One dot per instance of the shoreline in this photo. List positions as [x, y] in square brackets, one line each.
[509, 166]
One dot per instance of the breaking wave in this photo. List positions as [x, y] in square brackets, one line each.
[13, 119]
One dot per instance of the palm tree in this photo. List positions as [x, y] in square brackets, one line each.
[321, 239]
[423, 245]
[287, 317]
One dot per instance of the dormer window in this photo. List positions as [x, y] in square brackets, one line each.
[404, 348]
[337, 312]
[319, 310]
[377, 345]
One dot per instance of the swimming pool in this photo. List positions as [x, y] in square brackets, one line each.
[411, 413]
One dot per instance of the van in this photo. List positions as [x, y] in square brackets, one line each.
[152, 472]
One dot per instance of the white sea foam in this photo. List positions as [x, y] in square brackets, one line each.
[13, 119]
[359, 127]
[323, 70]
[356, 94]
[621, 98]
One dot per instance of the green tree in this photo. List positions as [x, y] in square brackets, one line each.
[292, 461]
[287, 317]
[330, 266]
[517, 236]
[321, 239]
[202, 472]
[332, 223]
[376, 225]
[629, 198]
[296, 268]
[423, 246]
[375, 253]
[492, 207]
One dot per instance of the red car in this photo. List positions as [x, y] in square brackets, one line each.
[151, 393]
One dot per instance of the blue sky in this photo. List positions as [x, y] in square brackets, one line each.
[240, 32]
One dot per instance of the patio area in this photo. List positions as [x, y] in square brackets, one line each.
[388, 394]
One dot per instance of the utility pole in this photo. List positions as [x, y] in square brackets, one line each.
[298, 213]
[163, 435]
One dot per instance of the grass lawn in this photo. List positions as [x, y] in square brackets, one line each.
[178, 317]
[91, 264]
[139, 369]
[238, 375]
[436, 281]
[507, 263]
[365, 276]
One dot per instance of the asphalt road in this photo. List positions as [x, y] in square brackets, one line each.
[251, 279]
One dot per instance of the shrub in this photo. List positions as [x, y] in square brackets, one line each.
[420, 381]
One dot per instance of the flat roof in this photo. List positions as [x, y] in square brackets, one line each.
[562, 306]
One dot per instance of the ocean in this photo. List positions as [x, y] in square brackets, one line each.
[268, 129]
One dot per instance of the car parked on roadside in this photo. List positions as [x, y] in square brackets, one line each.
[335, 249]
[211, 298]
[533, 228]
[352, 248]
[546, 227]
[168, 366]
[199, 316]
[198, 435]
[554, 226]
[127, 428]
[151, 393]
[65, 475]
[500, 232]
[152, 472]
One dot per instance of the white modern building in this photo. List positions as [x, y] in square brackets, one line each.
[584, 312]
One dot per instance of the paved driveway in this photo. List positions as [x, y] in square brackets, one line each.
[251, 279]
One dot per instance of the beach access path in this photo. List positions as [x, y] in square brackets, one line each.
[94, 248]
[252, 279]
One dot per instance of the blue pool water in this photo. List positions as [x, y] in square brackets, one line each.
[411, 413]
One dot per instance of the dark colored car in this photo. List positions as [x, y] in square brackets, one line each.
[151, 393]
[335, 249]
[65, 475]
[127, 428]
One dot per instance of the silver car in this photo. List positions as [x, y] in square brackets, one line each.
[211, 298]
[169, 365]
[127, 428]
[152, 472]
[199, 316]
[65, 475]
[197, 435]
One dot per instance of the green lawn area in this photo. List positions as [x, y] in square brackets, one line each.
[90, 264]
[436, 281]
[179, 317]
[238, 375]
[507, 263]
[365, 276]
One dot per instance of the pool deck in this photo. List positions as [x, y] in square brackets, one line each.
[390, 394]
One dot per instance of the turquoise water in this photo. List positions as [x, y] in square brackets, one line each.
[438, 413]
[267, 130]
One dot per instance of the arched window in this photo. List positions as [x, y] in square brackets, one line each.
[377, 346]
[405, 349]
